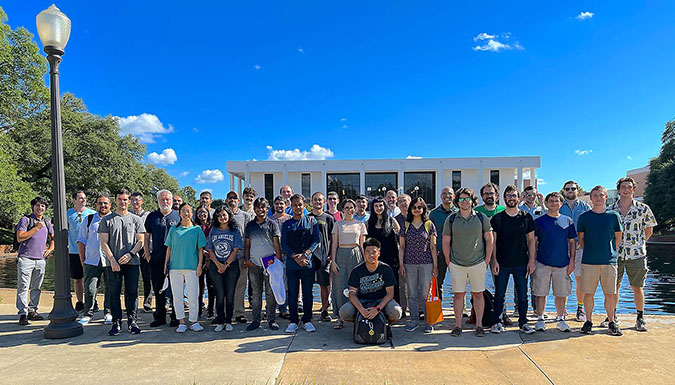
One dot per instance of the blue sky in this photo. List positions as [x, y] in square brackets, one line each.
[587, 85]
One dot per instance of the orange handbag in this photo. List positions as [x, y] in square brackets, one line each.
[433, 305]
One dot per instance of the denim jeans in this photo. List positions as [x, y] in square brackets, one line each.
[157, 277]
[30, 273]
[224, 284]
[296, 278]
[418, 280]
[258, 278]
[130, 274]
[520, 285]
[92, 279]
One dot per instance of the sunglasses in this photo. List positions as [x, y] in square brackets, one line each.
[510, 196]
[570, 189]
[464, 199]
[418, 207]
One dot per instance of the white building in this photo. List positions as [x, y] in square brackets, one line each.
[424, 177]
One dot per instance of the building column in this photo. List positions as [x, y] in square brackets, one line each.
[285, 174]
[232, 182]
[247, 177]
[324, 177]
[401, 182]
[533, 178]
[240, 187]
[520, 178]
[362, 180]
[480, 176]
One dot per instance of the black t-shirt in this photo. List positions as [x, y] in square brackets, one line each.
[158, 226]
[325, 222]
[372, 285]
[512, 233]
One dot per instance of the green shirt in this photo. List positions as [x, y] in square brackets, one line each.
[184, 243]
[467, 247]
[490, 213]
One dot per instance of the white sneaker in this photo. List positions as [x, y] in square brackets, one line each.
[220, 327]
[540, 326]
[292, 328]
[107, 319]
[309, 327]
[229, 327]
[182, 328]
[563, 326]
[196, 327]
[497, 328]
[85, 320]
[527, 329]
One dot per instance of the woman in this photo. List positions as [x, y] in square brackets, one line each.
[203, 220]
[184, 254]
[222, 246]
[417, 257]
[385, 229]
[347, 252]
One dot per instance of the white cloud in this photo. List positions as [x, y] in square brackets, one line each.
[206, 190]
[316, 152]
[494, 43]
[541, 181]
[209, 176]
[184, 174]
[343, 119]
[345, 126]
[413, 157]
[301, 50]
[195, 130]
[167, 157]
[584, 15]
[629, 157]
[582, 152]
[146, 127]
[257, 67]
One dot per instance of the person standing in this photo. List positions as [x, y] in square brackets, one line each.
[248, 196]
[94, 261]
[600, 233]
[515, 255]
[490, 195]
[333, 200]
[467, 248]
[137, 208]
[556, 247]
[573, 207]
[417, 257]
[529, 205]
[403, 204]
[280, 216]
[384, 229]
[638, 225]
[361, 206]
[156, 227]
[300, 237]
[391, 197]
[177, 201]
[438, 217]
[321, 254]
[242, 218]
[203, 220]
[205, 200]
[33, 232]
[261, 241]
[286, 192]
[121, 234]
[75, 216]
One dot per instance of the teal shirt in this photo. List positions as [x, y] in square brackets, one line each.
[184, 243]
[599, 241]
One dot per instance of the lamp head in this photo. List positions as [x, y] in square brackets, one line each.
[54, 29]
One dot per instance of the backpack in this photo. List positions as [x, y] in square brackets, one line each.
[31, 224]
[427, 227]
[371, 332]
[481, 216]
[488, 310]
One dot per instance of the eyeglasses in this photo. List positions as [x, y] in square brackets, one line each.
[418, 207]
[464, 199]
[489, 193]
[570, 189]
[510, 196]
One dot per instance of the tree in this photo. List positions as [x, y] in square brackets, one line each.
[189, 195]
[15, 194]
[659, 194]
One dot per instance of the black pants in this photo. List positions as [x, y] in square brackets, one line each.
[296, 278]
[442, 271]
[206, 284]
[157, 277]
[224, 285]
[128, 273]
[147, 283]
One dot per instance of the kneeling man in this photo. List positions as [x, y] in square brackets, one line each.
[371, 288]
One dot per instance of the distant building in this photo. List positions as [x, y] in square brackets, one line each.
[640, 176]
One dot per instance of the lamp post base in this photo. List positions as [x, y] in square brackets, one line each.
[62, 320]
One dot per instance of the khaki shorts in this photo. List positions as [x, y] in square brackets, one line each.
[545, 275]
[475, 275]
[591, 274]
[636, 270]
[577, 262]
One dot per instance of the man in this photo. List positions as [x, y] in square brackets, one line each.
[205, 199]
[242, 218]
[137, 209]
[177, 201]
[249, 195]
[333, 200]
[121, 234]
[391, 197]
[554, 235]
[286, 192]
[573, 207]
[261, 241]
[490, 195]
[75, 216]
[371, 288]
[279, 206]
[300, 237]
[467, 245]
[438, 217]
[325, 222]
[515, 255]
[403, 204]
[600, 233]
[94, 261]
[361, 206]
[529, 205]
[33, 232]
[638, 225]
[156, 227]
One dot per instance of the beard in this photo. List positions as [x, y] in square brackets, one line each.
[511, 203]
[489, 201]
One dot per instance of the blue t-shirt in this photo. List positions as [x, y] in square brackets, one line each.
[75, 220]
[599, 241]
[158, 226]
[297, 236]
[553, 235]
[223, 242]
[184, 242]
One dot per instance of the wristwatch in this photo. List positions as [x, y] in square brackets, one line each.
[378, 309]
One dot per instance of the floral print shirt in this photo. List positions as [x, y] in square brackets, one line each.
[634, 242]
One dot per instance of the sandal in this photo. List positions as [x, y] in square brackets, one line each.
[339, 325]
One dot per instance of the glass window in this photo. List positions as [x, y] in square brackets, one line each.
[494, 177]
[421, 184]
[346, 185]
[306, 183]
[269, 187]
[456, 180]
[377, 183]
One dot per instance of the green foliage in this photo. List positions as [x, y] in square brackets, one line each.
[659, 194]
[189, 195]
[15, 194]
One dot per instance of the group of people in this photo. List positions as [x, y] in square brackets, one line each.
[367, 255]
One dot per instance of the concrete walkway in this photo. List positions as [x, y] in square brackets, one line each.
[330, 357]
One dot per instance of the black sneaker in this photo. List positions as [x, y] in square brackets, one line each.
[133, 328]
[614, 329]
[174, 323]
[254, 325]
[34, 316]
[157, 323]
[241, 319]
[273, 325]
[115, 329]
[147, 308]
[588, 326]
[507, 321]
[79, 306]
[23, 320]
[421, 316]
[325, 317]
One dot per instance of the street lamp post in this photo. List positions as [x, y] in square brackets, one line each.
[54, 30]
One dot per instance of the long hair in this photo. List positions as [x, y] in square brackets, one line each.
[374, 218]
[198, 221]
[231, 223]
[425, 213]
[179, 209]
